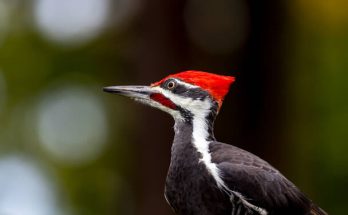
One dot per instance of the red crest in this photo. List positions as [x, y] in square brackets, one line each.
[216, 85]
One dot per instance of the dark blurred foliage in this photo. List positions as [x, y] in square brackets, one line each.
[75, 150]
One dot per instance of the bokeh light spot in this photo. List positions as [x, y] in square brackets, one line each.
[71, 21]
[72, 125]
[25, 190]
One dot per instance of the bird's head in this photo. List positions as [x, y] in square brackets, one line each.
[183, 95]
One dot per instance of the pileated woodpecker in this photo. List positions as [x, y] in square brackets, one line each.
[205, 176]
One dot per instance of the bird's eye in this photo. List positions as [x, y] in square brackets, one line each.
[171, 85]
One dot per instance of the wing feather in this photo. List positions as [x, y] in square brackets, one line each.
[260, 183]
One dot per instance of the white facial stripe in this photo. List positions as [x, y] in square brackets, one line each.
[195, 106]
[190, 86]
[174, 113]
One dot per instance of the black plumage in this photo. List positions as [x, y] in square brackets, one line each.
[191, 190]
[207, 177]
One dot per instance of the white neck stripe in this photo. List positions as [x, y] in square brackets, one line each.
[199, 139]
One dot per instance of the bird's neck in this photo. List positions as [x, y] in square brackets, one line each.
[198, 127]
[196, 131]
[194, 135]
[191, 142]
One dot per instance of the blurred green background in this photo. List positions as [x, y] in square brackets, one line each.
[67, 148]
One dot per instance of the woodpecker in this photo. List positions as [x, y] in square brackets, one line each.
[207, 177]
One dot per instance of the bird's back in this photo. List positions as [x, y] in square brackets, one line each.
[259, 183]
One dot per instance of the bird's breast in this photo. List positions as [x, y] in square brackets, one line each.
[190, 188]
